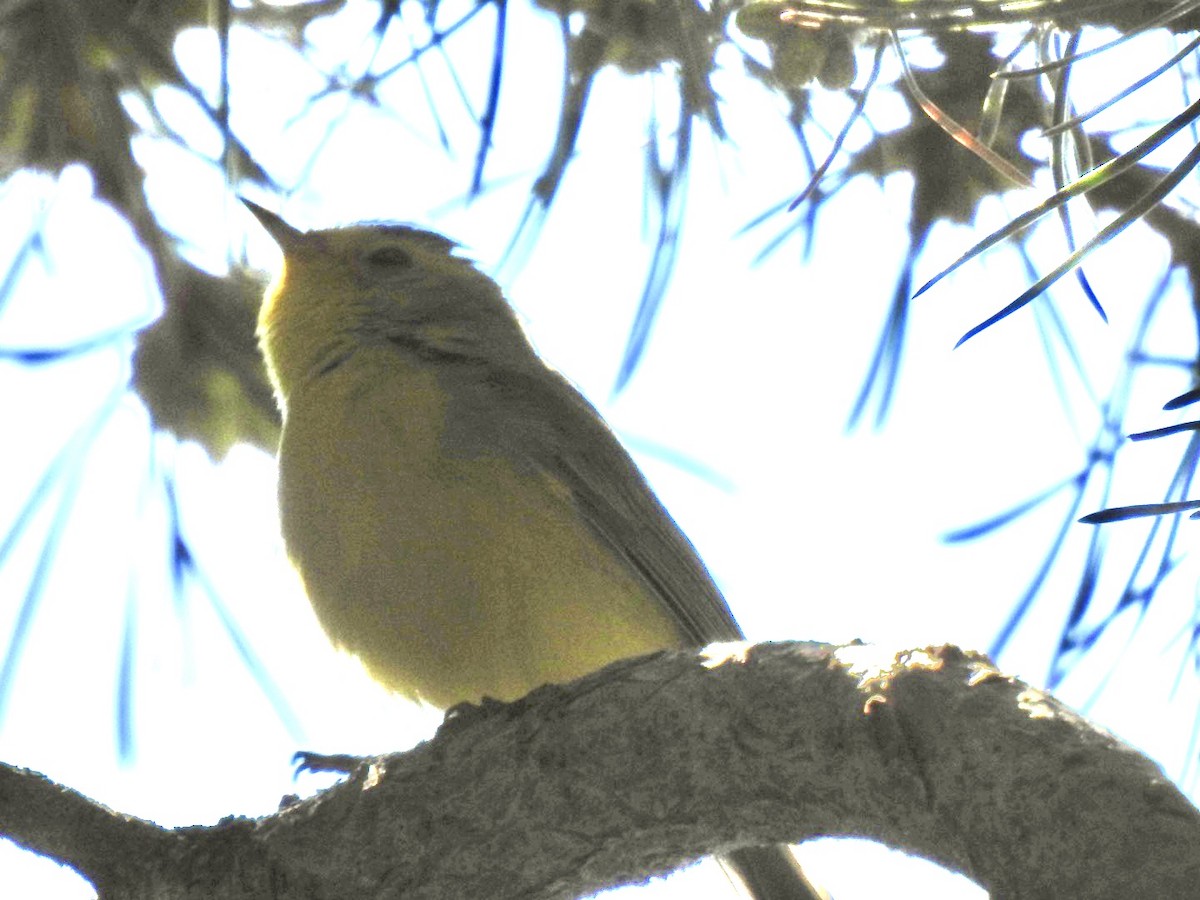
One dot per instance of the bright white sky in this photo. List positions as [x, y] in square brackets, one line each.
[751, 372]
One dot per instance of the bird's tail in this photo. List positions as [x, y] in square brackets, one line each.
[772, 873]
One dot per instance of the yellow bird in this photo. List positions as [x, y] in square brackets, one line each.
[463, 520]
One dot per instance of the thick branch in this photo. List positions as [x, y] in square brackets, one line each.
[655, 761]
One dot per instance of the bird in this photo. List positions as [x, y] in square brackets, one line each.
[462, 518]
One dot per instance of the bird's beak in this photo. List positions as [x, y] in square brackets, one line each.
[284, 234]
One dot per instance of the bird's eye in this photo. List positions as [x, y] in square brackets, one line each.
[391, 257]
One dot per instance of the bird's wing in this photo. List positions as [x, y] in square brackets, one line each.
[549, 425]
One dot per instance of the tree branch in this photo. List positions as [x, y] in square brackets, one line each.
[655, 761]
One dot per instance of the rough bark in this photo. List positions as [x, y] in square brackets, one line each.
[656, 761]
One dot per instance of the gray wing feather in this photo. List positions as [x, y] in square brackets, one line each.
[552, 428]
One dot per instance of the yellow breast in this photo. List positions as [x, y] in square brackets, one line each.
[451, 577]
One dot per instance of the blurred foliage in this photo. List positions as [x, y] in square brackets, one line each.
[67, 63]
[799, 55]
[948, 181]
[198, 368]
[65, 66]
